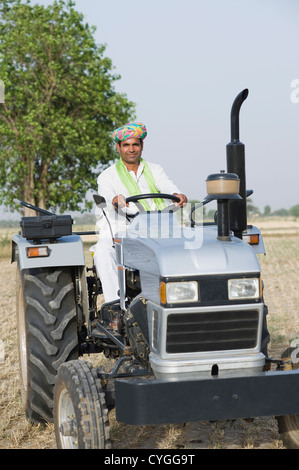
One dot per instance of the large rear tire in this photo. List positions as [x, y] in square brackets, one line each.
[80, 411]
[47, 335]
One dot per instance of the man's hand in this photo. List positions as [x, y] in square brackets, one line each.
[183, 199]
[119, 201]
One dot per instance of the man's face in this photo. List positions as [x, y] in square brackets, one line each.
[130, 150]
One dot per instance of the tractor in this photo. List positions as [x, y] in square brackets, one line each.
[187, 338]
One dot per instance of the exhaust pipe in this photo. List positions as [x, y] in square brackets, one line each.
[235, 159]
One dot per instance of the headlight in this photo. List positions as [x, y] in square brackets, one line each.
[179, 292]
[243, 288]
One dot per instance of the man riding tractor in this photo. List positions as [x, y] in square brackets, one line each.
[131, 175]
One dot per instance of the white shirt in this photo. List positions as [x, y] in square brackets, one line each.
[110, 185]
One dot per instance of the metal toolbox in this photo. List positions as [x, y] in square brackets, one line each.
[46, 227]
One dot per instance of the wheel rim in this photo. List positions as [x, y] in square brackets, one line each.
[67, 421]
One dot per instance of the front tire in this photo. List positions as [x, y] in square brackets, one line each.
[80, 411]
[288, 427]
[47, 335]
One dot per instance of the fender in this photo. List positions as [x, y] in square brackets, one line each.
[66, 251]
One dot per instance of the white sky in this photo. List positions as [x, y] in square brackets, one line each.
[184, 61]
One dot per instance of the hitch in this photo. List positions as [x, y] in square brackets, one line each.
[280, 363]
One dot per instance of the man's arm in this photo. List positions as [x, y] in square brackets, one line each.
[165, 185]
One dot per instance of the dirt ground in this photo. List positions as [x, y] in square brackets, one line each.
[280, 274]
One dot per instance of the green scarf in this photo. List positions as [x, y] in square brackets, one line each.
[131, 185]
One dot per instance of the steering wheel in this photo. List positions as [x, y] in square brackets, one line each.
[172, 197]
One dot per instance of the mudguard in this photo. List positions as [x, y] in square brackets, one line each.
[66, 251]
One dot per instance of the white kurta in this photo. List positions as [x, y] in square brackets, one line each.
[109, 186]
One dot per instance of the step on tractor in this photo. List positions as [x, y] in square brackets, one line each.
[187, 338]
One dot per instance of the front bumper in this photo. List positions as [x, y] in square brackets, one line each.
[149, 401]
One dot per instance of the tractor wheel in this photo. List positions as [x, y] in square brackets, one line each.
[47, 335]
[288, 426]
[80, 411]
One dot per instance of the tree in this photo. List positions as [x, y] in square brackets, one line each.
[267, 211]
[60, 106]
[294, 211]
[251, 209]
[281, 212]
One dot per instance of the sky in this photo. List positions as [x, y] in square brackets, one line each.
[183, 62]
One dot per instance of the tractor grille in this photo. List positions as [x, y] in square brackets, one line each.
[212, 331]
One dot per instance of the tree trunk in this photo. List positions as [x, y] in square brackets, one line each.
[28, 190]
[43, 190]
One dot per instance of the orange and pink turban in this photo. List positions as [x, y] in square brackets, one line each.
[130, 131]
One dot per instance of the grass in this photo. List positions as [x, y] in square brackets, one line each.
[5, 246]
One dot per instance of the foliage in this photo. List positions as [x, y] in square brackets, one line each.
[281, 213]
[251, 209]
[294, 210]
[267, 211]
[60, 105]
[9, 223]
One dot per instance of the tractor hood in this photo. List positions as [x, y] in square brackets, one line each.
[157, 245]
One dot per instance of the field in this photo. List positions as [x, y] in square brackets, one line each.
[280, 269]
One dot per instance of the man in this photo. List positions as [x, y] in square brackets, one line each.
[131, 175]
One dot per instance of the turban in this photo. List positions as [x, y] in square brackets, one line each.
[130, 131]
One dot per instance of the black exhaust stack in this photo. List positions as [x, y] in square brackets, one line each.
[235, 158]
